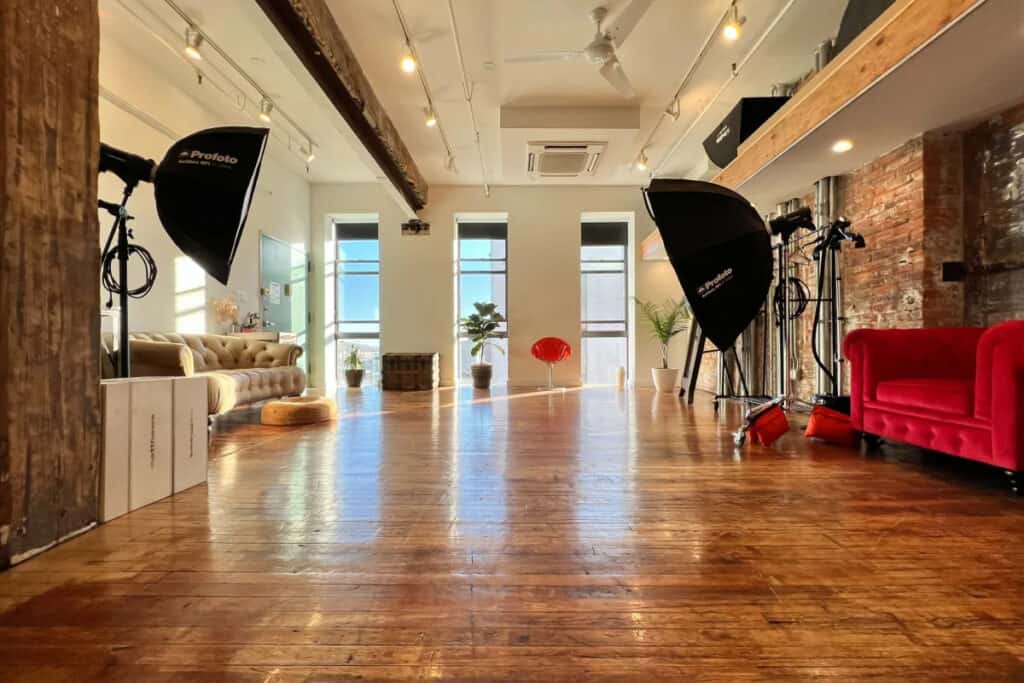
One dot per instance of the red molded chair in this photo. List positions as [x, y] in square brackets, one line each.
[954, 390]
[551, 350]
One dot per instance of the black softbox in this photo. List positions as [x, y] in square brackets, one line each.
[203, 190]
[720, 250]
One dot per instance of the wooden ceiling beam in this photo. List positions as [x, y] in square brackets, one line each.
[313, 34]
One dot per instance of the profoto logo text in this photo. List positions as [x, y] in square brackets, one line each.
[196, 156]
[714, 283]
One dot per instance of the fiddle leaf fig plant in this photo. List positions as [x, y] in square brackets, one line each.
[352, 360]
[481, 328]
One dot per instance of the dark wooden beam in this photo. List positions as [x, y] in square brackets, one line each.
[313, 34]
[49, 267]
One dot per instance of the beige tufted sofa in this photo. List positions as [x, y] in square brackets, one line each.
[239, 371]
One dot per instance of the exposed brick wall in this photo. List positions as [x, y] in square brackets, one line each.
[882, 284]
[994, 219]
[942, 303]
[908, 204]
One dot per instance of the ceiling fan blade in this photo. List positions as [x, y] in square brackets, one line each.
[623, 24]
[614, 74]
[546, 56]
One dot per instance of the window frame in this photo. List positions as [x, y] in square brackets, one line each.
[341, 271]
[624, 271]
[502, 331]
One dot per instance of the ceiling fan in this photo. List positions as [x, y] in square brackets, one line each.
[601, 50]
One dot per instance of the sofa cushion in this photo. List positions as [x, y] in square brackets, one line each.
[218, 352]
[230, 388]
[955, 396]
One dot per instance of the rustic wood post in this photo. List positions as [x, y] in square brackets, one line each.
[49, 266]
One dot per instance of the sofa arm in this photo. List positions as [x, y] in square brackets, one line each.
[161, 359]
[1000, 391]
[879, 355]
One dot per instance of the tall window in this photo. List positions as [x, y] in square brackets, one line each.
[604, 301]
[189, 297]
[482, 276]
[357, 322]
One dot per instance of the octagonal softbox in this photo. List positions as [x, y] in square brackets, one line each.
[203, 190]
[720, 249]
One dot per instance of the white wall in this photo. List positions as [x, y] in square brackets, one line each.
[149, 116]
[417, 283]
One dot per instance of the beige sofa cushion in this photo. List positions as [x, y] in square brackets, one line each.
[230, 388]
[216, 352]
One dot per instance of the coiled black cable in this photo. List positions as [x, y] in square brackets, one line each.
[110, 283]
[817, 320]
[796, 293]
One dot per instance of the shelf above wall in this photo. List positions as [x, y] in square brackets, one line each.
[923, 65]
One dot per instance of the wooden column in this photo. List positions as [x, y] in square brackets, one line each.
[49, 265]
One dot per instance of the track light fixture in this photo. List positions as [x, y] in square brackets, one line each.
[408, 62]
[673, 110]
[430, 117]
[193, 41]
[310, 155]
[266, 107]
[449, 164]
[642, 161]
[731, 30]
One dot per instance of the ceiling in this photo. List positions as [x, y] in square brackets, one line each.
[656, 56]
[153, 33]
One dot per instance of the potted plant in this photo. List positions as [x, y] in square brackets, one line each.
[481, 328]
[665, 321]
[353, 368]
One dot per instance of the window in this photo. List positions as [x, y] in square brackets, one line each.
[604, 301]
[357, 319]
[189, 297]
[482, 276]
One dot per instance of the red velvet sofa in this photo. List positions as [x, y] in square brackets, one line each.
[953, 390]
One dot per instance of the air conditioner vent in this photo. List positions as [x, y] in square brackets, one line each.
[563, 159]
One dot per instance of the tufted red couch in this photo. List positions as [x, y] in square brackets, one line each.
[953, 390]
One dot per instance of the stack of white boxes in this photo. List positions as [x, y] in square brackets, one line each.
[154, 440]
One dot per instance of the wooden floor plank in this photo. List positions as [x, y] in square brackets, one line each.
[591, 535]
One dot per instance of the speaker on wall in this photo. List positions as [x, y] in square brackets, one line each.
[746, 117]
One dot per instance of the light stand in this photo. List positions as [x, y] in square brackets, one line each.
[829, 282]
[203, 189]
[120, 228]
[783, 227]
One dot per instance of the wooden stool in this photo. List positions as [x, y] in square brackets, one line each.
[300, 410]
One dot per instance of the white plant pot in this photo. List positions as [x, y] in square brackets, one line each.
[665, 379]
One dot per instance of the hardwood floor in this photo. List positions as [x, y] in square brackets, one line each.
[593, 535]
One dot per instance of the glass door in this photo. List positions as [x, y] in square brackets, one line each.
[283, 275]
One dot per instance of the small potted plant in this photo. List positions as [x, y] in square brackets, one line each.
[665, 321]
[481, 328]
[353, 368]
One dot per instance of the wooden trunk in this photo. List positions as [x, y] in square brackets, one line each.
[410, 371]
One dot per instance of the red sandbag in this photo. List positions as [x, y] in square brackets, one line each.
[769, 426]
[831, 426]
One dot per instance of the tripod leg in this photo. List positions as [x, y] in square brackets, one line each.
[695, 369]
[691, 338]
[739, 369]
